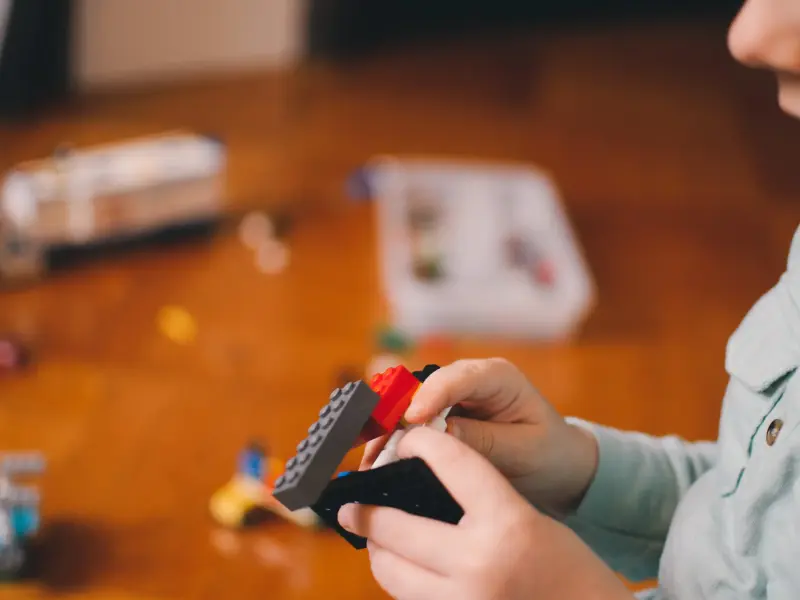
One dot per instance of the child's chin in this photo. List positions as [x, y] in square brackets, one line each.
[789, 98]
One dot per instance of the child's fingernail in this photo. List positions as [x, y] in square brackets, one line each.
[346, 517]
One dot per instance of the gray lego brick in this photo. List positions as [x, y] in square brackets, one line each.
[329, 440]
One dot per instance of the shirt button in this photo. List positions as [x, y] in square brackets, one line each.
[773, 430]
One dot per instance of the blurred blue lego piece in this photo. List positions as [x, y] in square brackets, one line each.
[25, 521]
[343, 473]
[19, 512]
[253, 461]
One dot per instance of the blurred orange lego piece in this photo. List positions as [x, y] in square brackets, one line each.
[275, 468]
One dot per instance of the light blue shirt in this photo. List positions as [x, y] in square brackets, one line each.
[714, 520]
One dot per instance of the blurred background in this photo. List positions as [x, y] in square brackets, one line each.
[144, 362]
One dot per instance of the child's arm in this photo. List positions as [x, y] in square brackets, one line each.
[628, 508]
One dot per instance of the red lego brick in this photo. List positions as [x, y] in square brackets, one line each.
[396, 387]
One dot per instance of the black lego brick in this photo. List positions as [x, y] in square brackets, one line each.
[329, 440]
[408, 484]
[425, 372]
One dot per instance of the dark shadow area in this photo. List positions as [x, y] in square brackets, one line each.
[350, 29]
[36, 59]
[258, 516]
[67, 556]
[71, 256]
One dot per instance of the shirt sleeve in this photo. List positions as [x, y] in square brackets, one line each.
[627, 510]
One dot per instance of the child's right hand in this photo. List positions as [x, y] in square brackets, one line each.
[547, 460]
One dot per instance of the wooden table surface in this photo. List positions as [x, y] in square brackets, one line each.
[675, 166]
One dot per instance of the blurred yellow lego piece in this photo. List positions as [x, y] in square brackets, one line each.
[177, 324]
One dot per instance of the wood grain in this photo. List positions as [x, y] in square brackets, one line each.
[672, 163]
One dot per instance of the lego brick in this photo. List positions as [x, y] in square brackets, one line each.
[252, 461]
[421, 375]
[19, 513]
[347, 374]
[389, 452]
[392, 341]
[275, 468]
[426, 372]
[329, 440]
[396, 386]
[409, 485]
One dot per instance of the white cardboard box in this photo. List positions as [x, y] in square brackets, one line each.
[477, 208]
[131, 42]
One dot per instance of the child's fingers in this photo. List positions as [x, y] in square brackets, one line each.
[401, 578]
[473, 380]
[414, 538]
[477, 383]
[472, 480]
[506, 445]
[371, 451]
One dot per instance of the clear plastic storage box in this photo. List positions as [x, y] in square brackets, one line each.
[477, 248]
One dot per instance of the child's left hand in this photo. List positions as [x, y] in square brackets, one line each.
[502, 548]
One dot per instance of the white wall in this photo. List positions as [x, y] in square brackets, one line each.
[143, 41]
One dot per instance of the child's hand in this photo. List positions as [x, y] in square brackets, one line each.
[503, 549]
[547, 460]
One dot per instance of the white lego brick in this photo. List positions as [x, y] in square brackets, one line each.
[389, 452]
